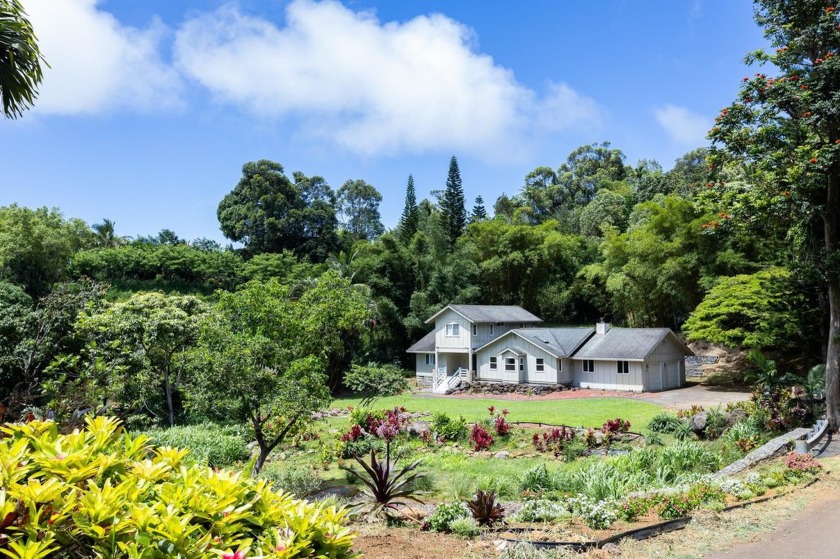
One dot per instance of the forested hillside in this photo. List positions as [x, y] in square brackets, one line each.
[593, 237]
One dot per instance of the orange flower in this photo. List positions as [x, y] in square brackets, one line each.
[813, 160]
[786, 193]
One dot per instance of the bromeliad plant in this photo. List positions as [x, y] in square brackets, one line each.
[387, 487]
[100, 492]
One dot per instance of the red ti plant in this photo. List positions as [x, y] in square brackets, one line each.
[480, 438]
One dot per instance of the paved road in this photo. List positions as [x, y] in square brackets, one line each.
[809, 534]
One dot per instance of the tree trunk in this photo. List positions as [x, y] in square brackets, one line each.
[832, 361]
[169, 405]
[261, 458]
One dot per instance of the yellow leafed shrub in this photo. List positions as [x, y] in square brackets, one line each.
[103, 493]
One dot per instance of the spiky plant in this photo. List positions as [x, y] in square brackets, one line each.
[485, 509]
[387, 487]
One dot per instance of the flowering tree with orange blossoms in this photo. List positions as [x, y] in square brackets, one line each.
[786, 126]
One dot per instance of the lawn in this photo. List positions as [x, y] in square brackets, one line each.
[582, 412]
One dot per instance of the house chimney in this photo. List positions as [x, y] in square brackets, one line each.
[602, 327]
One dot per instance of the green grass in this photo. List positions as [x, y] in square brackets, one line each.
[582, 412]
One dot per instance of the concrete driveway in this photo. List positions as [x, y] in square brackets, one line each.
[706, 396]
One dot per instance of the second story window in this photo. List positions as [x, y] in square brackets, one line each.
[453, 329]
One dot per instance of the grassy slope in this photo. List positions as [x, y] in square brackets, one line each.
[586, 412]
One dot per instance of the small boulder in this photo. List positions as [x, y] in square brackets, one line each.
[417, 428]
[502, 454]
[735, 416]
[698, 423]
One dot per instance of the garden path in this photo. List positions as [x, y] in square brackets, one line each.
[810, 533]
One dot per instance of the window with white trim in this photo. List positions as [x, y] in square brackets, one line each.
[510, 364]
[430, 359]
[540, 364]
[453, 329]
[521, 363]
[494, 364]
[475, 329]
[588, 366]
[622, 367]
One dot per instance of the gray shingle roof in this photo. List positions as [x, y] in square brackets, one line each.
[425, 345]
[561, 342]
[491, 313]
[626, 343]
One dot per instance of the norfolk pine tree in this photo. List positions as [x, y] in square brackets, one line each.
[452, 206]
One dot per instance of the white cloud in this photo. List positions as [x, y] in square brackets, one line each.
[369, 86]
[98, 64]
[682, 125]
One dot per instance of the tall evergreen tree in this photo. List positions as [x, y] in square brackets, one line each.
[479, 212]
[452, 207]
[411, 215]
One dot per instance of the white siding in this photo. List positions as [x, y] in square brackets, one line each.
[461, 341]
[483, 335]
[665, 367]
[421, 366]
[529, 375]
[565, 375]
[606, 376]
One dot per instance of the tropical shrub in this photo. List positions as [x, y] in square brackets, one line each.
[676, 505]
[716, 423]
[499, 422]
[297, 479]
[101, 492]
[210, 444]
[444, 514]
[465, 527]
[664, 422]
[480, 438]
[598, 515]
[804, 463]
[485, 509]
[451, 429]
[553, 439]
[387, 487]
[633, 507]
[536, 480]
[542, 510]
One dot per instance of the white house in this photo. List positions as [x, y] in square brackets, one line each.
[505, 344]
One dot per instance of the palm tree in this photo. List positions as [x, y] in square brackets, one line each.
[105, 235]
[20, 60]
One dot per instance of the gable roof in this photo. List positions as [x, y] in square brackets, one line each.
[489, 313]
[628, 344]
[559, 342]
[425, 345]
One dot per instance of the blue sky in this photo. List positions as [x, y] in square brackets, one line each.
[151, 107]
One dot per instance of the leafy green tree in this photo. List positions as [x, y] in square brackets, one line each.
[765, 310]
[20, 60]
[264, 353]
[36, 245]
[787, 126]
[647, 179]
[479, 212]
[689, 173]
[149, 334]
[409, 221]
[359, 203]
[452, 207]
[34, 332]
[607, 209]
[374, 381]
[653, 272]
[267, 212]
